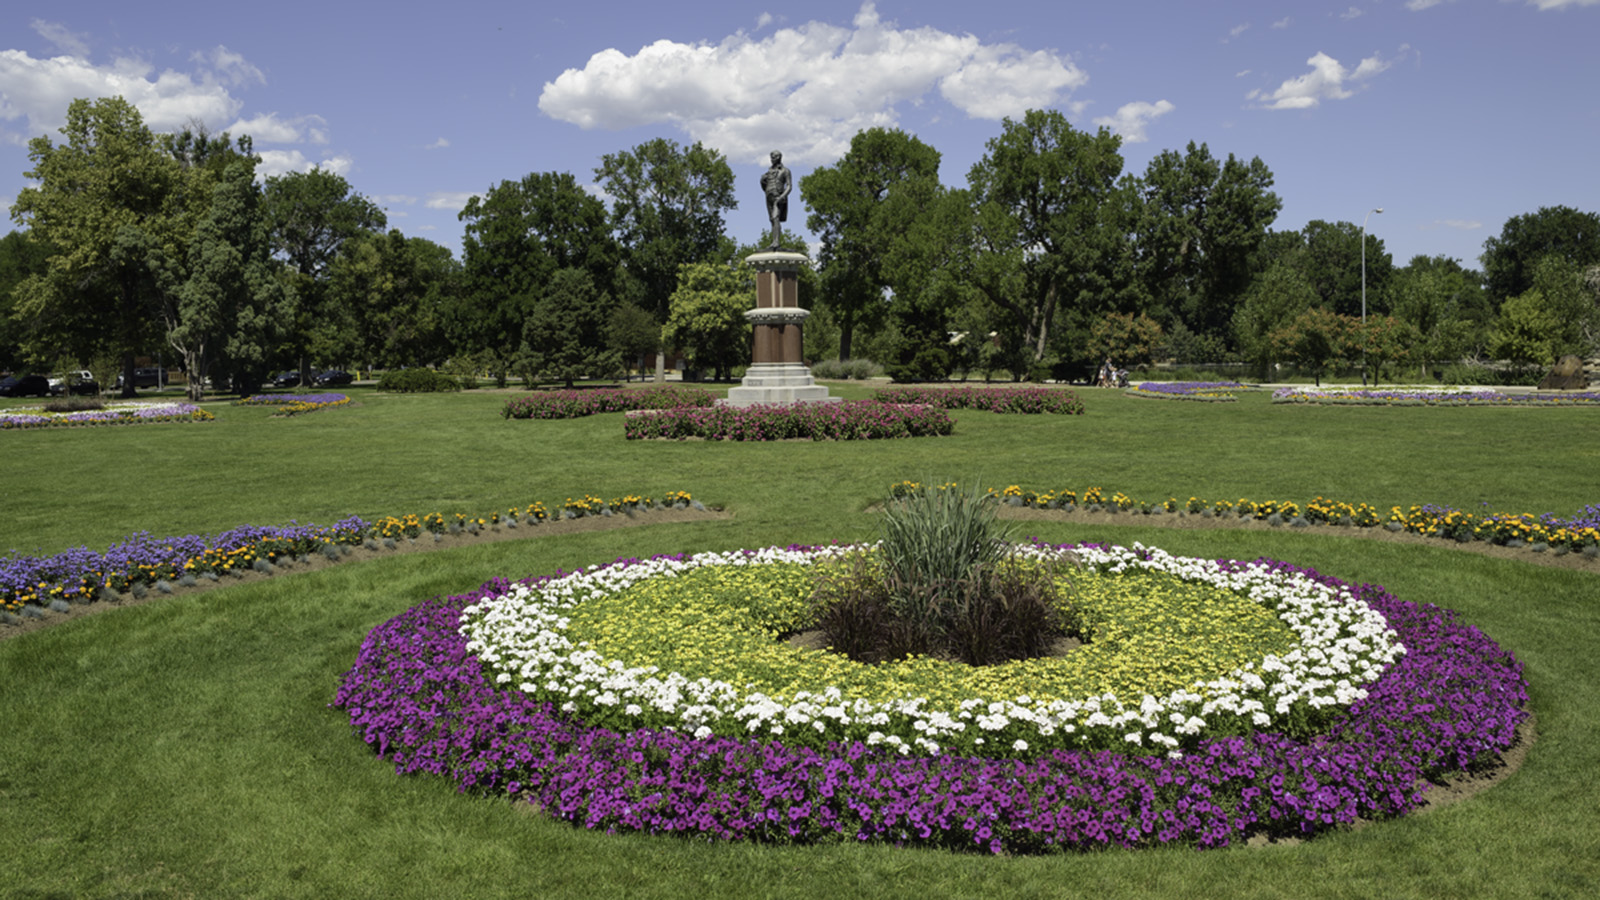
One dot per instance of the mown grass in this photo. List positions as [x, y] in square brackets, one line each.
[184, 747]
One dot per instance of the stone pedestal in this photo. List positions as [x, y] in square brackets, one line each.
[778, 372]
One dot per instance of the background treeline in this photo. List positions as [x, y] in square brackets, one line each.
[1051, 259]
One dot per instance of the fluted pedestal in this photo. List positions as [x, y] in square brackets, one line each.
[778, 373]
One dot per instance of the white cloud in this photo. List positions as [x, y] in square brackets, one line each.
[1561, 4]
[1419, 5]
[452, 201]
[1351, 13]
[1456, 224]
[807, 89]
[281, 162]
[227, 67]
[64, 40]
[1281, 23]
[395, 199]
[1131, 118]
[1235, 31]
[39, 91]
[440, 144]
[1327, 80]
[763, 20]
[268, 128]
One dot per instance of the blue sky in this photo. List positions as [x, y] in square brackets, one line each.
[1452, 115]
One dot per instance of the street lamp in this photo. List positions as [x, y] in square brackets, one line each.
[1379, 211]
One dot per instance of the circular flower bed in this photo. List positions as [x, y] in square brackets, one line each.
[422, 697]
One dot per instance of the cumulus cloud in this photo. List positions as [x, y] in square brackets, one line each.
[808, 89]
[38, 91]
[1131, 118]
[1327, 80]
[282, 162]
[270, 128]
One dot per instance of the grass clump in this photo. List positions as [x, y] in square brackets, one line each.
[942, 582]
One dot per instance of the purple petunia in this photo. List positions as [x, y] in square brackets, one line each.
[1453, 702]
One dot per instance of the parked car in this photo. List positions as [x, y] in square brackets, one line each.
[25, 386]
[335, 376]
[286, 379]
[79, 381]
[146, 377]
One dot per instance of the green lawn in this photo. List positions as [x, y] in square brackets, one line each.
[184, 748]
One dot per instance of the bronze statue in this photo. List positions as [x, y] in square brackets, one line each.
[775, 183]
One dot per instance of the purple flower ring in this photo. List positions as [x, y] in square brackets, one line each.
[422, 698]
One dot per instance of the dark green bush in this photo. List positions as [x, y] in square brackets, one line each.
[417, 381]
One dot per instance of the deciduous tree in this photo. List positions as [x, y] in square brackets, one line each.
[103, 200]
[667, 207]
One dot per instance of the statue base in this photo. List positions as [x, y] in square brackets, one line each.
[777, 383]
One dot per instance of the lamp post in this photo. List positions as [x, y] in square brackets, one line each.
[1379, 211]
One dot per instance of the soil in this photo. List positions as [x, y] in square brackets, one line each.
[1445, 792]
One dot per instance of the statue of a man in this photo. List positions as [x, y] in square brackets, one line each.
[775, 183]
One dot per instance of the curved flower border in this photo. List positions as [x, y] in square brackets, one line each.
[112, 414]
[1202, 391]
[1453, 702]
[1467, 396]
[1342, 646]
[294, 404]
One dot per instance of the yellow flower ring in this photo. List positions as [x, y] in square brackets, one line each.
[1178, 649]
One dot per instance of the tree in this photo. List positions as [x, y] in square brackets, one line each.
[1128, 340]
[667, 206]
[1314, 339]
[852, 216]
[1384, 340]
[103, 200]
[1444, 303]
[21, 257]
[386, 294]
[1561, 231]
[312, 215]
[1045, 192]
[229, 302]
[1199, 225]
[518, 235]
[1332, 264]
[634, 334]
[1274, 299]
[565, 337]
[707, 316]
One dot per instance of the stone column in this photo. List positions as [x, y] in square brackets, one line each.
[777, 372]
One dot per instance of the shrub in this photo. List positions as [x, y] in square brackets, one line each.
[417, 381]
